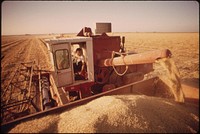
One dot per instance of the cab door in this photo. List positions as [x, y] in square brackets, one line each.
[63, 64]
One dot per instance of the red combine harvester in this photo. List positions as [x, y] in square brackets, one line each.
[86, 67]
[106, 65]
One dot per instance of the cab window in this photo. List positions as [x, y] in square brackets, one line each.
[62, 59]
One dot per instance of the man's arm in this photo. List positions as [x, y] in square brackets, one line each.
[83, 65]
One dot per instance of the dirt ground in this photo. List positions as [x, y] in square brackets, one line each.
[185, 53]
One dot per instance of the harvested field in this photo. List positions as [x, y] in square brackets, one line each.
[16, 90]
[130, 113]
[25, 49]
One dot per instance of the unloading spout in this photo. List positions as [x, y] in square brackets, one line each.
[141, 58]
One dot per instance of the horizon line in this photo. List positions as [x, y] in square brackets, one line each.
[77, 33]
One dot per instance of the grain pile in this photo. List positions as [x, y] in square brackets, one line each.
[120, 113]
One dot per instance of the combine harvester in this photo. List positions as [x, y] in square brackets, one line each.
[107, 70]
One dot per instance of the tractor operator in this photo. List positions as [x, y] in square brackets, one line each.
[79, 65]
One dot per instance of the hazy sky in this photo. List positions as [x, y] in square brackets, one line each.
[41, 17]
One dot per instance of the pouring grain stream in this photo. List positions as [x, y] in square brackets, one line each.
[172, 78]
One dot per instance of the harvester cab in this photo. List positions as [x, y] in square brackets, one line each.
[63, 54]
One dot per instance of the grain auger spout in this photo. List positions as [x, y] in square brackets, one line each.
[141, 58]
